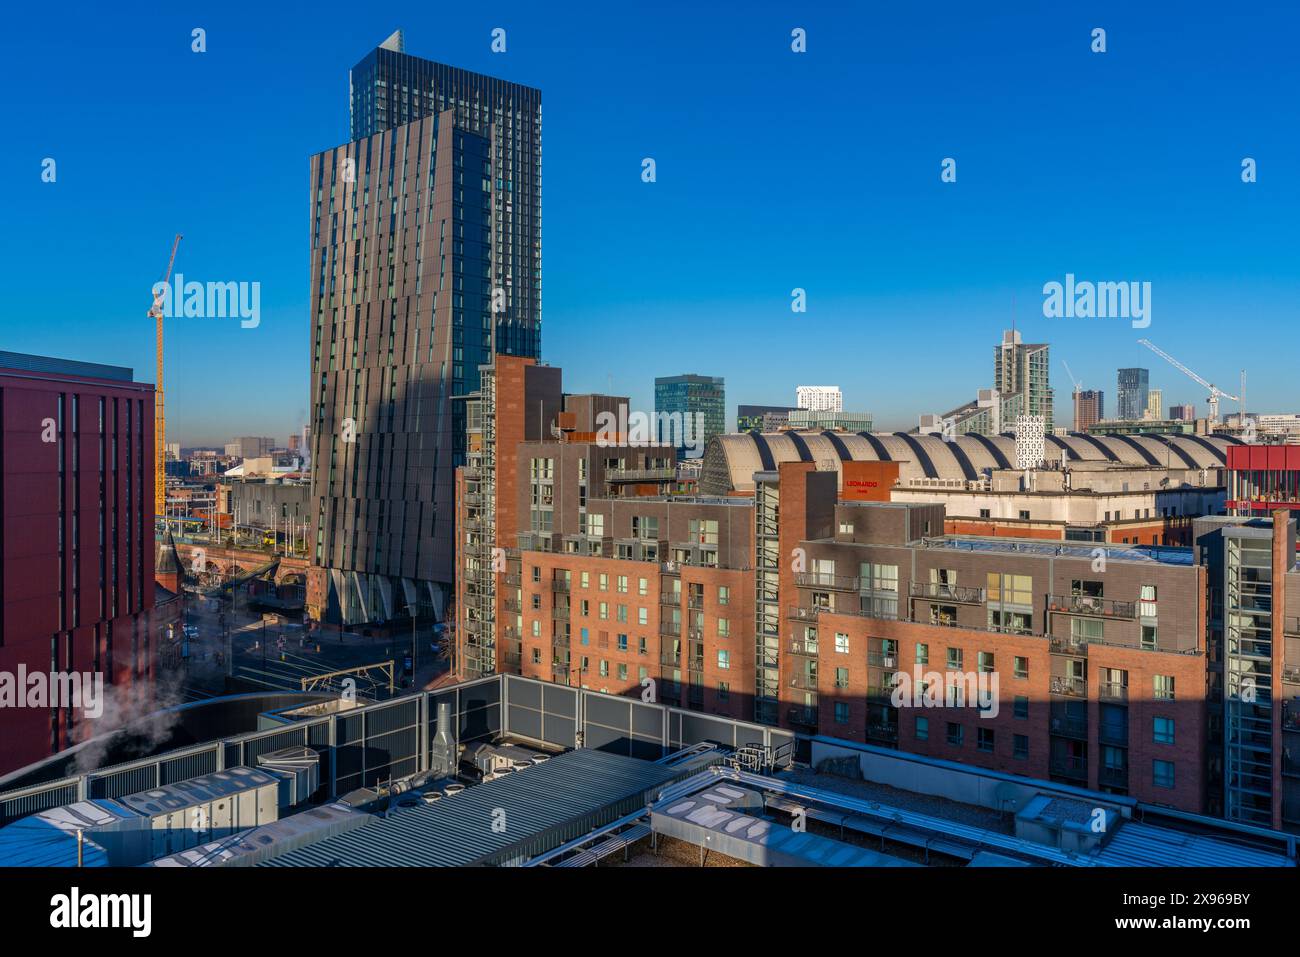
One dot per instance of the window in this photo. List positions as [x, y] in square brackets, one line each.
[954, 659]
[841, 677]
[622, 672]
[724, 659]
[621, 584]
[642, 586]
[956, 734]
[1163, 687]
[986, 662]
[641, 645]
[1148, 637]
[1024, 514]
[724, 595]
[604, 668]
[724, 691]
[642, 616]
[1020, 746]
[846, 528]
[985, 513]
[622, 613]
[537, 656]
[604, 582]
[724, 627]
[984, 739]
[537, 574]
[922, 654]
[1021, 706]
[1163, 773]
[586, 579]
[1164, 730]
[537, 628]
[584, 608]
[535, 601]
[841, 712]
[1022, 667]
[922, 729]
[584, 636]
[603, 610]
[841, 643]
[622, 642]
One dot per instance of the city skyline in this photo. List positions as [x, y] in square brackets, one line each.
[939, 254]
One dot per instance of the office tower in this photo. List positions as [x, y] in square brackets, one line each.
[76, 542]
[1133, 393]
[1089, 409]
[689, 410]
[1155, 404]
[819, 398]
[1183, 413]
[425, 262]
[1024, 368]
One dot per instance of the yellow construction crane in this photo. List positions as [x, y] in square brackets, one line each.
[159, 415]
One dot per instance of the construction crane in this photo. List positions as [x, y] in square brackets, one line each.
[1215, 392]
[1078, 386]
[159, 414]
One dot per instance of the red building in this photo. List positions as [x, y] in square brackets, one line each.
[77, 588]
[1262, 478]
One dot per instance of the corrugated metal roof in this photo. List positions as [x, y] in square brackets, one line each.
[576, 791]
[1137, 844]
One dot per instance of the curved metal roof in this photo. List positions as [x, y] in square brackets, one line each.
[730, 461]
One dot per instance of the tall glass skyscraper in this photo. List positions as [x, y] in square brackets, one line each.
[425, 260]
[1025, 367]
[699, 400]
[1134, 392]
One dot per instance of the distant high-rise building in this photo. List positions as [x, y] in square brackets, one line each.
[1133, 390]
[761, 418]
[1089, 409]
[250, 446]
[693, 402]
[1155, 404]
[819, 398]
[1020, 367]
[425, 262]
[1183, 413]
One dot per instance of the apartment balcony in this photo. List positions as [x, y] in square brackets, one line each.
[560, 585]
[673, 628]
[806, 682]
[511, 659]
[826, 580]
[1112, 777]
[670, 598]
[879, 733]
[513, 579]
[512, 604]
[1074, 687]
[1291, 715]
[695, 663]
[879, 694]
[935, 591]
[641, 475]
[877, 659]
[802, 646]
[1092, 607]
[1069, 726]
[1112, 691]
[671, 658]
[1113, 734]
[805, 614]
[803, 716]
[1070, 766]
[560, 613]
[1067, 645]
[510, 632]
[695, 602]
[560, 668]
[560, 641]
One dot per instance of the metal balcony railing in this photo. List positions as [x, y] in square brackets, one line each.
[670, 627]
[672, 658]
[803, 716]
[670, 598]
[802, 646]
[1070, 766]
[1075, 687]
[882, 732]
[936, 591]
[1091, 606]
[805, 681]
[560, 585]
[1068, 645]
[826, 580]
[1112, 691]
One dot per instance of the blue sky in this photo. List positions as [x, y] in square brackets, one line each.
[775, 170]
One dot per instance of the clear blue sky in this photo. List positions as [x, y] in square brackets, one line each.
[775, 170]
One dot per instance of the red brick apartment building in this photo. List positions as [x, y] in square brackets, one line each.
[76, 539]
[785, 602]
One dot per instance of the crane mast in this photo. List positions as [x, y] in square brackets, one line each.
[159, 413]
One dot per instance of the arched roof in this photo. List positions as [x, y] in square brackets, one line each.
[730, 461]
